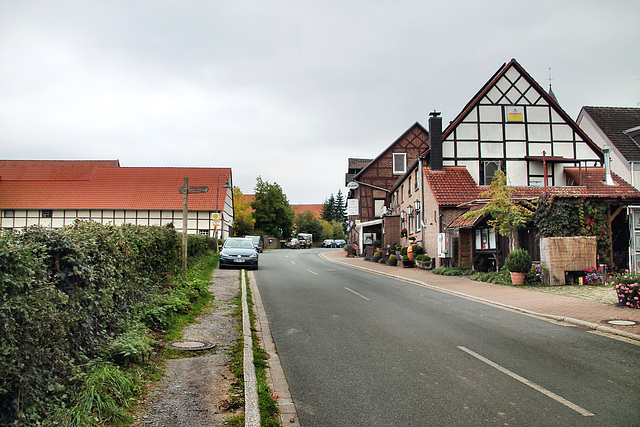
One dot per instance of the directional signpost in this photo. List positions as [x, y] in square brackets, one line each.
[186, 190]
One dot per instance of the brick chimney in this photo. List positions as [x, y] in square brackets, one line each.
[435, 141]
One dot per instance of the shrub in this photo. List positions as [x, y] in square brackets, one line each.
[518, 261]
[418, 250]
[132, 347]
[403, 251]
[627, 288]
[377, 254]
[423, 258]
[392, 257]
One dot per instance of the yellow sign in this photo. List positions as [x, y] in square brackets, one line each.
[515, 114]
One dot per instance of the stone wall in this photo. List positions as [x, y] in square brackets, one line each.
[567, 254]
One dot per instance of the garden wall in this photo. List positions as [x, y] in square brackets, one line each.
[567, 254]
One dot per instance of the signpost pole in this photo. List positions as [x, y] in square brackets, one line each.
[184, 228]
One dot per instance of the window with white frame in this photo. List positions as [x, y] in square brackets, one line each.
[489, 169]
[417, 186]
[46, 213]
[399, 163]
[410, 189]
[377, 206]
[203, 232]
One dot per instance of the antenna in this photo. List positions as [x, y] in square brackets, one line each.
[550, 78]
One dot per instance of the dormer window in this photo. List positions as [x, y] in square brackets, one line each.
[399, 163]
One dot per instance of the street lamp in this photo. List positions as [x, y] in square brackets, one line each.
[226, 185]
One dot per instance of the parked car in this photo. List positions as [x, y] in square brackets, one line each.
[292, 243]
[340, 243]
[239, 252]
[257, 242]
[329, 243]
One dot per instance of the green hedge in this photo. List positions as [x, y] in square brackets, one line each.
[67, 294]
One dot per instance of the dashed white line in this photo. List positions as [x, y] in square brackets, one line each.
[533, 385]
[360, 295]
[292, 262]
[312, 272]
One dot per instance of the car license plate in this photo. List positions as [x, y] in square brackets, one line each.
[238, 260]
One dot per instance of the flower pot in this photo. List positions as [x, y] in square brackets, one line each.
[407, 263]
[517, 279]
[393, 262]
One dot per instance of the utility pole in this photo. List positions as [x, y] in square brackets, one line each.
[185, 190]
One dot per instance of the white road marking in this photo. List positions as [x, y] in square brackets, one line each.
[533, 385]
[360, 295]
[312, 272]
[292, 262]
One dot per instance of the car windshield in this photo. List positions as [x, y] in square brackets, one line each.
[254, 239]
[239, 244]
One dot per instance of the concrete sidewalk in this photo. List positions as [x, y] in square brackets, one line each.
[583, 313]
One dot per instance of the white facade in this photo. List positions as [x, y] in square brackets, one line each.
[512, 126]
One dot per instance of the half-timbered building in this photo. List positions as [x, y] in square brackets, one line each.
[512, 124]
[56, 193]
[370, 188]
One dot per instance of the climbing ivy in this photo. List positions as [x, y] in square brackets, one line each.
[574, 216]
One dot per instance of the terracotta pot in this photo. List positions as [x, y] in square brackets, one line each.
[518, 278]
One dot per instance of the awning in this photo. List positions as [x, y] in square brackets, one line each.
[462, 222]
[369, 223]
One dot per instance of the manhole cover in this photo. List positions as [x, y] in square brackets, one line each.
[191, 345]
[620, 322]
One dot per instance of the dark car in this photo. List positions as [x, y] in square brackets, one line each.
[341, 243]
[293, 243]
[329, 243]
[257, 242]
[239, 252]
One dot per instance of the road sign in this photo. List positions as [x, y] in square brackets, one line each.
[194, 189]
[216, 219]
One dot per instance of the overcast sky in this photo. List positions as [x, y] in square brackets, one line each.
[287, 90]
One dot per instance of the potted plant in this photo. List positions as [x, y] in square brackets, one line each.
[518, 263]
[592, 276]
[423, 261]
[414, 250]
[403, 232]
[393, 260]
[406, 262]
[376, 256]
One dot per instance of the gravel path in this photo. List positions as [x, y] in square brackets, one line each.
[195, 390]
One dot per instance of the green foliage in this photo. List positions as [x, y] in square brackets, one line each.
[448, 271]
[132, 347]
[104, 395]
[377, 254]
[272, 212]
[418, 250]
[423, 258]
[335, 209]
[243, 222]
[507, 216]
[392, 257]
[571, 216]
[518, 261]
[75, 295]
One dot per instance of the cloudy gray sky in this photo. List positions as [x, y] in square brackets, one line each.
[287, 90]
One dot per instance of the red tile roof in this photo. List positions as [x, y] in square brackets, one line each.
[316, 210]
[115, 188]
[58, 170]
[452, 186]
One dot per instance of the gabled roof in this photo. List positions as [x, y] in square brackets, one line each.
[358, 163]
[614, 121]
[116, 188]
[452, 186]
[386, 150]
[508, 98]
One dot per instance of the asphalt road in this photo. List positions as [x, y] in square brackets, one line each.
[360, 349]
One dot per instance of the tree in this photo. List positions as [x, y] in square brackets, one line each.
[271, 210]
[328, 208]
[506, 215]
[340, 209]
[307, 223]
[243, 222]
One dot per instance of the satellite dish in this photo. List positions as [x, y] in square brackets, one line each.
[352, 185]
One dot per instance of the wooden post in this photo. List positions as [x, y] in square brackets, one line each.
[184, 228]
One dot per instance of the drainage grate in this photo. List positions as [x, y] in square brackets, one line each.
[621, 322]
[191, 345]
